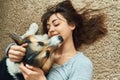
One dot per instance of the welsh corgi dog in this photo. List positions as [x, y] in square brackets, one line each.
[39, 53]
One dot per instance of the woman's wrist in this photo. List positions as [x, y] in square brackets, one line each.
[8, 48]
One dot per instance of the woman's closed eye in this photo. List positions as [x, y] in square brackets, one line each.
[56, 23]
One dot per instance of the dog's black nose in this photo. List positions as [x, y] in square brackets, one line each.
[60, 38]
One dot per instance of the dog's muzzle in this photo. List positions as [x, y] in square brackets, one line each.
[55, 41]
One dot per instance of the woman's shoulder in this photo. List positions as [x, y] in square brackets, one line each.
[80, 59]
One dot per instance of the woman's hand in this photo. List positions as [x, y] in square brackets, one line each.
[32, 73]
[16, 53]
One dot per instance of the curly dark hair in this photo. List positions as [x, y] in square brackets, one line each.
[88, 27]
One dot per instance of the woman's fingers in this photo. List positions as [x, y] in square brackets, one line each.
[34, 68]
[18, 48]
[31, 73]
[24, 69]
[24, 45]
[15, 58]
[27, 73]
[27, 68]
[16, 53]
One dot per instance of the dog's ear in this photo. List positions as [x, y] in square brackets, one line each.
[33, 29]
[18, 40]
[22, 39]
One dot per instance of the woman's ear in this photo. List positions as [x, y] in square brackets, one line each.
[72, 26]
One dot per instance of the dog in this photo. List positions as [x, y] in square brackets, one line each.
[39, 53]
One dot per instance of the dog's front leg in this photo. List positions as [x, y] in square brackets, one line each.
[48, 64]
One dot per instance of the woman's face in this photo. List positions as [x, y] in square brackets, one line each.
[57, 25]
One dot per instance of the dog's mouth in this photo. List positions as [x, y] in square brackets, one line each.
[31, 58]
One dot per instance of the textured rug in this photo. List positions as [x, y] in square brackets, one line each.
[17, 15]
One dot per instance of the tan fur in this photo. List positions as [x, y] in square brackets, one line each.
[41, 58]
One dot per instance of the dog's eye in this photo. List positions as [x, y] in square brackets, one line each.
[41, 43]
[47, 53]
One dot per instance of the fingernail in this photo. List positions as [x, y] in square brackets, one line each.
[27, 65]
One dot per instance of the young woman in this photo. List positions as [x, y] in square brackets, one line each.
[76, 29]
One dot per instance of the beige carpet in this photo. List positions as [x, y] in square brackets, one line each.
[17, 15]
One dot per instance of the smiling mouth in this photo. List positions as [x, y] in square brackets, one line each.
[55, 35]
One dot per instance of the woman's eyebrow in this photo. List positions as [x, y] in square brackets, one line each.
[54, 20]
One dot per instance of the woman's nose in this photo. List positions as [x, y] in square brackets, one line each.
[51, 29]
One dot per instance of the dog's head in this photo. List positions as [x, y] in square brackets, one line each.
[40, 48]
[39, 51]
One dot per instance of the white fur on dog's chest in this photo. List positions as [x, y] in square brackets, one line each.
[13, 68]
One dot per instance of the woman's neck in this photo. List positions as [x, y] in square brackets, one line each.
[65, 53]
[67, 48]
